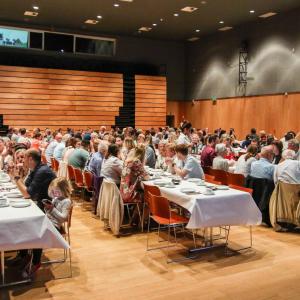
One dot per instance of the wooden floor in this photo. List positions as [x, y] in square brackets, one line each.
[106, 267]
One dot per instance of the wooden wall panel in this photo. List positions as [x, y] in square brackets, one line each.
[35, 97]
[274, 113]
[150, 101]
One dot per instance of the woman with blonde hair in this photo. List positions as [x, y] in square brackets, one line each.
[127, 149]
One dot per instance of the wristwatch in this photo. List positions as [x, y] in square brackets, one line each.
[16, 178]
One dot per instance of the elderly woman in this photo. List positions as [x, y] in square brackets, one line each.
[190, 166]
[288, 170]
[243, 165]
[219, 162]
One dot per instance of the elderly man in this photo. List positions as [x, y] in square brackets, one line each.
[294, 145]
[288, 171]
[96, 161]
[263, 168]
[51, 147]
[219, 162]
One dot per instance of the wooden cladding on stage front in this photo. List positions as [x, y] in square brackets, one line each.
[150, 101]
[32, 97]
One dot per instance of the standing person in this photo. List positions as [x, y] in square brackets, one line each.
[184, 136]
[35, 187]
[51, 147]
[79, 156]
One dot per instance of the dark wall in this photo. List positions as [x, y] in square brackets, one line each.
[133, 55]
[212, 66]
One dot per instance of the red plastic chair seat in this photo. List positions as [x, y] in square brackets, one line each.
[174, 219]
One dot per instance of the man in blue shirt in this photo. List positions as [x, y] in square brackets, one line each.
[95, 163]
[263, 168]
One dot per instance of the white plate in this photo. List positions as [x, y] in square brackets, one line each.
[20, 204]
[187, 190]
[208, 194]
[222, 187]
[170, 186]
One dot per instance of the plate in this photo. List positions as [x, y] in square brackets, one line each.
[170, 186]
[222, 187]
[20, 204]
[208, 194]
[187, 190]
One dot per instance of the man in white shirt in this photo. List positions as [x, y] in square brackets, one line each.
[51, 147]
[219, 162]
[288, 171]
[184, 136]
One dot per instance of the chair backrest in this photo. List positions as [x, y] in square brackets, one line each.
[211, 179]
[208, 177]
[56, 164]
[78, 177]
[52, 163]
[220, 175]
[154, 190]
[71, 172]
[88, 179]
[207, 170]
[236, 179]
[159, 206]
[241, 188]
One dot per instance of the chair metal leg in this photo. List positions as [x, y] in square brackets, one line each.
[2, 267]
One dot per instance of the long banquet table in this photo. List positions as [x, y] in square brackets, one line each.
[26, 228]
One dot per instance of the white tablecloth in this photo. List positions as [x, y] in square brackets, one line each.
[28, 228]
[226, 207]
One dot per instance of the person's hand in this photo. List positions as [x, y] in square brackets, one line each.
[48, 206]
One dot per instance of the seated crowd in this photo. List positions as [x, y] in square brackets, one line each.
[121, 156]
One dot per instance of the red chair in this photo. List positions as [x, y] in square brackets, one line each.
[79, 181]
[160, 212]
[44, 159]
[220, 175]
[236, 179]
[71, 173]
[88, 180]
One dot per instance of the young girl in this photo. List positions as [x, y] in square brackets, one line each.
[58, 209]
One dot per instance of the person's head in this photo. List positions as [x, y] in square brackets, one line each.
[252, 151]
[212, 140]
[60, 188]
[172, 137]
[139, 153]
[103, 147]
[195, 138]
[182, 151]
[186, 128]
[170, 150]
[162, 148]
[141, 138]
[221, 150]
[102, 129]
[37, 135]
[119, 141]
[267, 153]
[293, 145]
[254, 142]
[277, 147]
[253, 131]
[288, 154]
[78, 143]
[71, 142]
[113, 150]
[20, 156]
[288, 136]
[32, 158]
[128, 143]
[58, 137]
[22, 131]
[85, 144]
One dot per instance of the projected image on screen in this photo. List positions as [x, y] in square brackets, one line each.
[13, 38]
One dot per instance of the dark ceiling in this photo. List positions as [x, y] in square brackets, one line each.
[130, 16]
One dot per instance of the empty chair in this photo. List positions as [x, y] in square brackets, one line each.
[79, 183]
[236, 179]
[88, 180]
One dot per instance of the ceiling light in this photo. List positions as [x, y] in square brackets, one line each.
[154, 24]
[126, 0]
[197, 30]
[99, 17]
[176, 15]
[225, 28]
[203, 2]
[161, 19]
[30, 13]
[221, 22]
[116, 5]
[92, 22]
[193, 39]
[267, 15]
[144, 28]
[252, 11]
[35, 7]
[189, 9]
